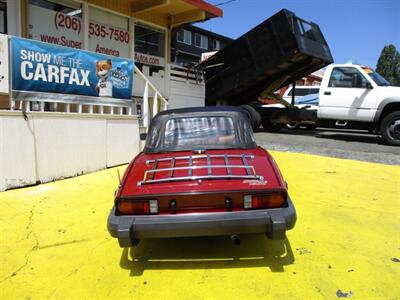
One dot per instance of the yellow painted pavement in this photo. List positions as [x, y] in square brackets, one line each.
[55, 245]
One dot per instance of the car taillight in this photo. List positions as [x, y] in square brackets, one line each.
[263, 201]
[138, 207]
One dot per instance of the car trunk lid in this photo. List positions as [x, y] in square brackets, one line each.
[212, 180]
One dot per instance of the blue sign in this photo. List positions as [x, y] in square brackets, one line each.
[42, 67]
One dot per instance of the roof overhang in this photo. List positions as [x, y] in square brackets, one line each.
[174, 13]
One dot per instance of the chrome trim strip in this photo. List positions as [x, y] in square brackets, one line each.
[251, 156]
[150, 174]
[153, 168]
[208, 165]
[172, 165]
[228, 169]
[246, 164]
[190, 165]
[200, 167]
[256, 177]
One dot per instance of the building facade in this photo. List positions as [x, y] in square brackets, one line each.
[190, 42]
[60, 133]
[135, 29]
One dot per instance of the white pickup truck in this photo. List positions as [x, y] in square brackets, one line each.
[350, 96]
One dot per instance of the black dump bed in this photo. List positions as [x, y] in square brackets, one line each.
[273, 54]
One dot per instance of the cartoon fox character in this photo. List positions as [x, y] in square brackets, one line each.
[104, 86]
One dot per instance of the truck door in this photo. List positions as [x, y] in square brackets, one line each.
[349, 95]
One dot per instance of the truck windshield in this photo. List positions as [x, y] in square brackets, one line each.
[376, 77]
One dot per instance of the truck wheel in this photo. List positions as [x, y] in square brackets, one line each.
[390, 128]
[254, 116]
[268, 126]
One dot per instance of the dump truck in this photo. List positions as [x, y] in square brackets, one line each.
[285, 48]
[272, 55]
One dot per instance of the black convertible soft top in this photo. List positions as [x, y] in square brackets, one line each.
[212, 127]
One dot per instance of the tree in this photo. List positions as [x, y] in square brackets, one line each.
[389, 64]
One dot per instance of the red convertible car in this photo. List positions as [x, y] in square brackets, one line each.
[201, 174]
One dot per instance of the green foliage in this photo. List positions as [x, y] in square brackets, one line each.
[389, 64]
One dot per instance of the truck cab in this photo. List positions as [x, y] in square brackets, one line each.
[352, 92]
[357, 94]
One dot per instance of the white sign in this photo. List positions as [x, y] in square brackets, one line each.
[149, 59]
[108, 39]
[4, 70]
[55, 27]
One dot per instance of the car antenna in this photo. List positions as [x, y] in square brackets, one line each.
[119, 177]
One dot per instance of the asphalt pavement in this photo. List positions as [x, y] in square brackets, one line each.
[345, 244]
[348, 144]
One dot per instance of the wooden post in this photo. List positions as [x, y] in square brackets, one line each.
[145, 114]
[155, 104]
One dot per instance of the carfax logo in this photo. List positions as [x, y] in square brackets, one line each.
[120, 78]
[110, 78]
[45, 67]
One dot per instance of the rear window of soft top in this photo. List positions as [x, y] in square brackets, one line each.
[198, 131]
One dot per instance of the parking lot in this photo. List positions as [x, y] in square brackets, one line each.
[349, 144]
[346, 242]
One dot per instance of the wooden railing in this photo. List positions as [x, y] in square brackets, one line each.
[150, 91]
[183, 74]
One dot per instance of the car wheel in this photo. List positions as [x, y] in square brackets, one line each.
[390, 128]
[292, 125]
[254, 116]
[268, 126]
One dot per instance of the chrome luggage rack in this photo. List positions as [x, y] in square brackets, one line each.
[149, 174]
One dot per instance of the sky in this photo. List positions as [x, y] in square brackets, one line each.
[355, 30]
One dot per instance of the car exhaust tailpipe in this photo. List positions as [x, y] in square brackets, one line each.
[235, 239]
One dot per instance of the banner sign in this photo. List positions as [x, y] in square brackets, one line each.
[42, 67]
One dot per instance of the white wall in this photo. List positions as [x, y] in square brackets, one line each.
[17, 155]
[70, 146]
[120, 141]
[50, 146]
[186, 94]
[179, 87]
[186, 88]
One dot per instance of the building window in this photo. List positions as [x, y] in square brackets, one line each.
[216, 45]
[347, 77]
[200, 41]
[149, 40]
[56, 22]
[184, 36]
[108, 33]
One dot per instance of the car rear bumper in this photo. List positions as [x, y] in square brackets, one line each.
[273, 222]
